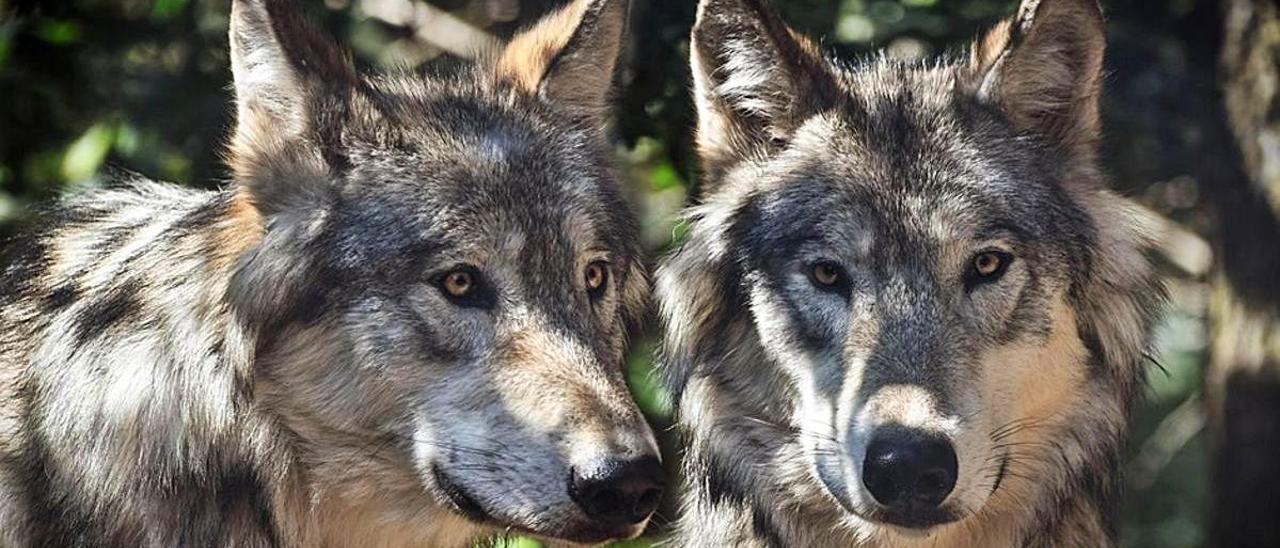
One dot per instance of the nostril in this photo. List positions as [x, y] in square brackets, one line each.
[905, 467]
[649, 498]
[933, 486]
[645, 504]
[616, 492]
[605, 501]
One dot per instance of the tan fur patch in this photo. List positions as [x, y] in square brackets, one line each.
[905, 404]
[985, 51]
[527, 57]
[1059, 371]
[1038, 384]
[1045, 69]
[1050, 381]
[239, 231]
[549, 380]
[541, 367]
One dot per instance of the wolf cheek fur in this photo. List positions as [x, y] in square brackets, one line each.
[908, 311]
[402, 325]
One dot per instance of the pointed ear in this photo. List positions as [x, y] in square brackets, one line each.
[568, 57]
[291, 84]
[755, 80]
[1044, 69]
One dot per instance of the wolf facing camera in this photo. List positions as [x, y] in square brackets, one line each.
[909, 312]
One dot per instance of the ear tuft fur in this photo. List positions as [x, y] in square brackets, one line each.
[1044, 69]
[568, 58]
[292, 86]
[755, 81]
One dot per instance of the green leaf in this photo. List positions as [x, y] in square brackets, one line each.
[855, 28]
[664, 176]
[648, 393]
[6, 40]
[516, 542]
[127, 139]
[680, 233]
[164, 10]
[86, 154]
[58, 32]
[9, 206]
[43, 169]
[637, 543]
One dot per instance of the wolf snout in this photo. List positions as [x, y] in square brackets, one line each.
[909, 471]
[618, 493]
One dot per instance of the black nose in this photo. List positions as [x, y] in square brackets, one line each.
[618, 493]
[907, 468]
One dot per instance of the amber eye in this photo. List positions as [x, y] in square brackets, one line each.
[458, 283]
[596, 277]
[826, 274]
[988, 266]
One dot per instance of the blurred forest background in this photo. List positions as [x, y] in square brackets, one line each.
[91, 87]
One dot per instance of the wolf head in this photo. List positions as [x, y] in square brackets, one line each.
[907, 268]
[445, 277]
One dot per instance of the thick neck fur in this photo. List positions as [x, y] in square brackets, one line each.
[134, 407]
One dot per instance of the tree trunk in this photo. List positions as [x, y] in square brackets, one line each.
[1243, 378]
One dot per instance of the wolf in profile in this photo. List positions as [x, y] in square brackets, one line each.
[908, 312]
[401, 324]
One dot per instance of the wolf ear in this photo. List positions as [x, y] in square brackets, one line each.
[291, 85]
[755, 80]
[1044, 69]
[568, 57]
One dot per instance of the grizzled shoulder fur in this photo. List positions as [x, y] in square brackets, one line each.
[117, 337]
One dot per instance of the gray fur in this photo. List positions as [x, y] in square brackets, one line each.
[900, 174]
[276, 364]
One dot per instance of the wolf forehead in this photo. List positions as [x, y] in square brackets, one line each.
[458, 170]
[468, 133]
[909, 155]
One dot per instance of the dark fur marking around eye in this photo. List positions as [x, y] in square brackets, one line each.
[811, 336]
[761, 234]
[1030, 315]
[480, 294]
[974, 278]
[118, 304]
[834, 280]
